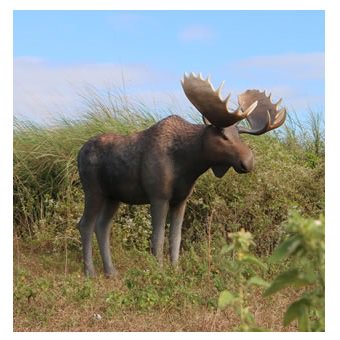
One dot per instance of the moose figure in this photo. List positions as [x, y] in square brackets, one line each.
[159, 166]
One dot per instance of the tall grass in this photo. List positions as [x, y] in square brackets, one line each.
[48, 198]
[307, 135]
[45, 156]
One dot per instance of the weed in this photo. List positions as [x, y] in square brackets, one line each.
[305, 245]
[243, 269]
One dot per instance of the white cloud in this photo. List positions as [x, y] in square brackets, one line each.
[294, 65]
[196, 33]
[42, 90]
[297, 78]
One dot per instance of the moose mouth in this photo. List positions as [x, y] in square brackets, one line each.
[244, 166]
[220, 170]
[242, 170]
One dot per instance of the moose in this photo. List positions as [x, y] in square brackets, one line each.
[159, 165]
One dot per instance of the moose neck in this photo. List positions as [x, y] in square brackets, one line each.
[188, 150]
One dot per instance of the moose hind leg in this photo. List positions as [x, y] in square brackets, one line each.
[176, 220]
[86, 227]
[159, 211]
[103, 228]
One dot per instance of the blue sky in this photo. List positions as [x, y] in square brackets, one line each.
[58, 53]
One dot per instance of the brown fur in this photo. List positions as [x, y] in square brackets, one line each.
[157, 166]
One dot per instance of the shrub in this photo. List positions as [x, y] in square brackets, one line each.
[243, 267]
[305, 246]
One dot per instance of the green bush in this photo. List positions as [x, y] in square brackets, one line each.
[305, 247]
[244, 268]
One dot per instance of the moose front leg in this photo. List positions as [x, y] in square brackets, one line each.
[159, 211]
[176, 220]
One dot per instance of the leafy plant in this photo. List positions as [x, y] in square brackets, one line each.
[305, 246]
[243, 267]
[85, 291]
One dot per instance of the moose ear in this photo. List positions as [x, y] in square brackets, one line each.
[220, 170]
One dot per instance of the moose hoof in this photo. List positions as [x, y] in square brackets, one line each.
[90, 274]
[112, 274]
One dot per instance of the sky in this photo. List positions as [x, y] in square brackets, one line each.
[59, 54]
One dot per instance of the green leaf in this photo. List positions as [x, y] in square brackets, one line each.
[298, 310]
[226, 298]
[286, 249]
[303, 323]
[292, 277]
[253, 260]
[258, 281]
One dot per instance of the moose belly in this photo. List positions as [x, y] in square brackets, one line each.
[125, 191]
[181, 192]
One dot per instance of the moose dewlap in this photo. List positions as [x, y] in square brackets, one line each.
[159, 165]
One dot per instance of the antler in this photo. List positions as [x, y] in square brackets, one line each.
[266, 115]
[208, 101]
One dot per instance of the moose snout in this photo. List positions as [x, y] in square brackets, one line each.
[246, 164]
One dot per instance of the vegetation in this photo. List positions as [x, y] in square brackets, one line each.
[48, 202]
[241, 266]
[306, 245]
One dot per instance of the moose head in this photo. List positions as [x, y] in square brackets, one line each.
[159, 165]
[224, 142]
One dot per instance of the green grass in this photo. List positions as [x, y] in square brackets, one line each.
[51, 294]
[48, 203]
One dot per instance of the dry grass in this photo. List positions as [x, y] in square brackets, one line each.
[199, 320]
[56, 304]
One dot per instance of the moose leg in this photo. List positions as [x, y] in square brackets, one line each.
[176, 220]
[159, 211]
[86, 227]
[103, 228]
